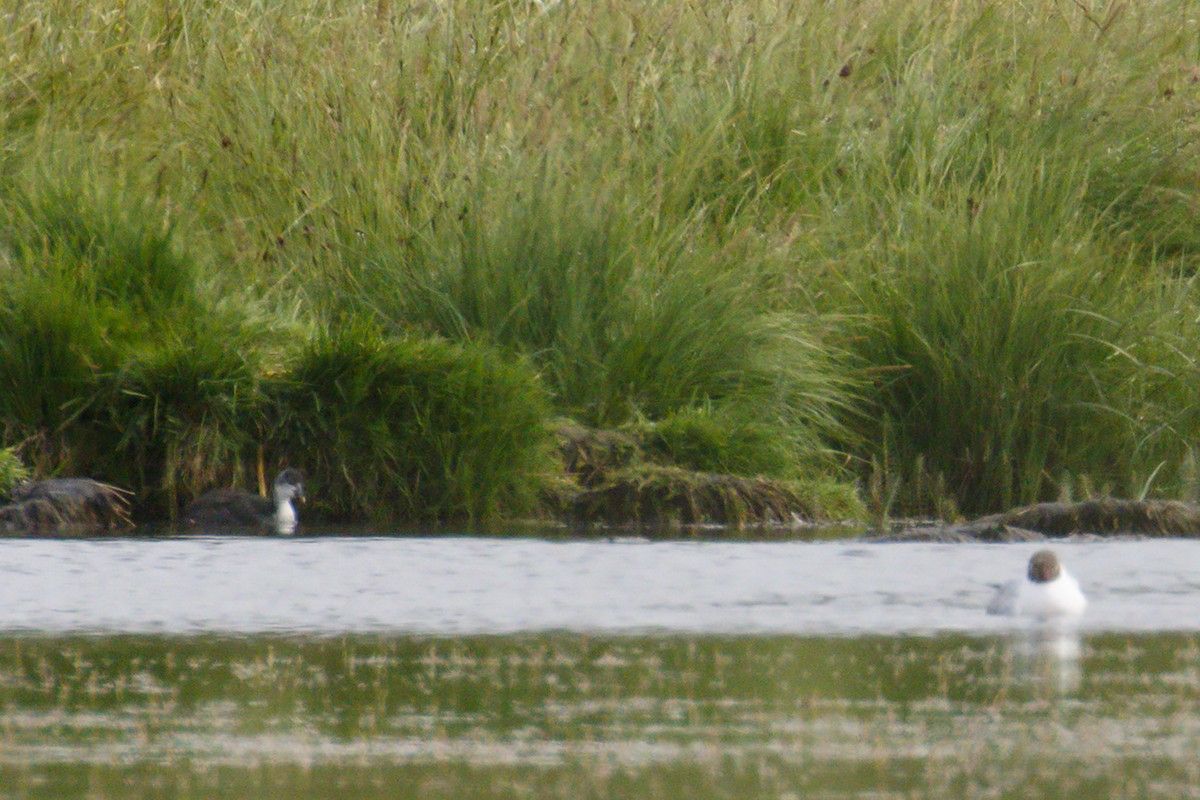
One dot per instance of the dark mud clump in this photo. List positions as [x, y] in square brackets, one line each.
[612, 481]
[64, 507]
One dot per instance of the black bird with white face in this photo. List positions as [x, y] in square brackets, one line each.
[233, 509]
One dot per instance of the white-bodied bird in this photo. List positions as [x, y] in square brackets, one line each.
[1047, 592]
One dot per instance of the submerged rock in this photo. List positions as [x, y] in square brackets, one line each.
[66, 506]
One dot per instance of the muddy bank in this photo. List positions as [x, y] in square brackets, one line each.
[1104, 516]
[611, 478]
[614, 480]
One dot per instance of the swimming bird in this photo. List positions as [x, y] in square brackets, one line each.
[1048, 592]
[223, 509]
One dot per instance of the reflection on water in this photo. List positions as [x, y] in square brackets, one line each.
[1048, 657]
[485, 668]
[571, 715]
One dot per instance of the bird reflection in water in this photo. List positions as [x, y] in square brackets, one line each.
[1048, 657]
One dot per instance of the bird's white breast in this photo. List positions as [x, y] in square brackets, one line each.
[1060, 597]
[285, 517]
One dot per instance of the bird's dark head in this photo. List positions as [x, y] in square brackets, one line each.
[290, 484]
[1044, 567]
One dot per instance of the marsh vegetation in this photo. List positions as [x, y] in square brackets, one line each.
[896, 256]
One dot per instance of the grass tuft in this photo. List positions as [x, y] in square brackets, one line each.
[399, 429]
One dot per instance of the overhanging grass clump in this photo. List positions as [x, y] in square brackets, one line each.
[403, 429]
[693, 469]
[117, 366]
[701, 440]
[186, 414]
[91, 279]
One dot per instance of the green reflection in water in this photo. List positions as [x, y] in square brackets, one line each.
[573, 716]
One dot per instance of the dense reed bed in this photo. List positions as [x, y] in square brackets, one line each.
[943, 250]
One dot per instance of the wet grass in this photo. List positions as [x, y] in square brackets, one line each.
[578, 716]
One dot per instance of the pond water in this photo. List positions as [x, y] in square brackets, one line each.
[461, 667]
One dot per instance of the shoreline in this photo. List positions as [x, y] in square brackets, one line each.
[1094, 518]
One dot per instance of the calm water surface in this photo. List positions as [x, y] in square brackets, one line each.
[524, 668]
[461, 586]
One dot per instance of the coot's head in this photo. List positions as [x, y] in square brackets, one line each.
[289, 485]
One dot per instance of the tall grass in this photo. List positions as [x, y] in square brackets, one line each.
[411, 429]
[1009, 297]
[954, 239]
[88, 278]
[1007, 355]
[622, 325]
[188, 413]
[117, 362]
